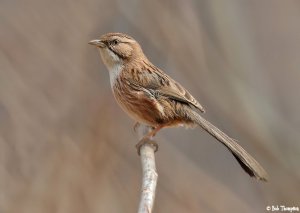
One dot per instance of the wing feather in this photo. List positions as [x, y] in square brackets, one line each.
[152, 78]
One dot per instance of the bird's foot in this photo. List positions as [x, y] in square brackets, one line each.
[143, 141]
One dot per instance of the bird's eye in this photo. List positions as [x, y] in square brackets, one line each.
[114, 42]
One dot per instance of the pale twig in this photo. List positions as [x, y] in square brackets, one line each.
[149, 178]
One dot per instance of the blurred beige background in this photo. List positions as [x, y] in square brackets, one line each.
[65, 145]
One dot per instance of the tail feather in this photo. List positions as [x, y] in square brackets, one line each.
[247, 162]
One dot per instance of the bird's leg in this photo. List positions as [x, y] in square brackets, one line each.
[136, 126]
[147, 139]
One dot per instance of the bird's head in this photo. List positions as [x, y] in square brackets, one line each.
[117, 48]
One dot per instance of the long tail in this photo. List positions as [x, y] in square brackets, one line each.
[247, 162]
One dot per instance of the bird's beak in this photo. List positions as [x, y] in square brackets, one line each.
[97, 43]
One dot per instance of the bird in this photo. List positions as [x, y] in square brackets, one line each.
[151, 97]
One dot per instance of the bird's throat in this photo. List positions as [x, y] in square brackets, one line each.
[114, 72]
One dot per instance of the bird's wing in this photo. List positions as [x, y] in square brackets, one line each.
[160, 83]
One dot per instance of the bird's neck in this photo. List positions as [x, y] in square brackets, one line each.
[116, 69]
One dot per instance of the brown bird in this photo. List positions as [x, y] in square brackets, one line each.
[151, 97]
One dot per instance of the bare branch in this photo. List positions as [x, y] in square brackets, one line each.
[149, 179]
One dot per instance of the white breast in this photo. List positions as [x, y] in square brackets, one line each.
[114, 73]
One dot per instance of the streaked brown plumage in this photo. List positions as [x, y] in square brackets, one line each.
[151, 97]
